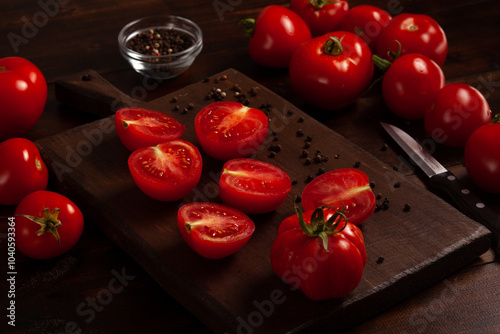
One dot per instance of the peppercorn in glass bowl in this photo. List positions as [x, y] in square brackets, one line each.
[160, 47]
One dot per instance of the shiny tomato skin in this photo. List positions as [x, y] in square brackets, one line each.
[23, 94]
[278, 32]
[214, 230]
[417, 33]
[253, 186]
[168, 171]
[411, 85]
[139, 127]
[303, 262]
[320, 19]
[329, 82]
[348, 187]
[22, 170]
[46, 246]
[228, 130]
[458, 110]
[482, 157]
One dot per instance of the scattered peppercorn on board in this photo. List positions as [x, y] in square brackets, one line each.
[408, 248]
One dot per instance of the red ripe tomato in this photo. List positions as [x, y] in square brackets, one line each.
[458, 110]
[331, 71]
[417, 34]
[347, 188]
[253, 186]
[321, 16]
[47, 225]
[482, 157]
[367, 22]
[411, 85]
[168, 171]
[138, 127]
[319, 253]
[214, 230]
[228, 130]
[275, 35]
[23, 92]
[22, 170]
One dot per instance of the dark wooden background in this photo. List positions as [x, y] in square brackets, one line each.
[64, 37]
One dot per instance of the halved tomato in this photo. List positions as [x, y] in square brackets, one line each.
[168, 171]
[253, 186]
[214, 230]
[228, 130]
[139, 127]
[348, 187]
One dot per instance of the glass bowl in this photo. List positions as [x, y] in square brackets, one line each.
[174, 44]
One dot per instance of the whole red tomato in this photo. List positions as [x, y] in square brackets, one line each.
[331, 71]
[344, 188]
[321, 16]
[214, 230]
[23, 93]
[275, 35]
[367, 22]
[458, 110]
[482, 157]
[416, 33]
[319, 253]
[48, 224]
[22, 170]
[411, 84]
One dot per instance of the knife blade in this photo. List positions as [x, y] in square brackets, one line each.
[444, 182]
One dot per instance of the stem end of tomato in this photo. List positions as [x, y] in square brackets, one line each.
[49, 223]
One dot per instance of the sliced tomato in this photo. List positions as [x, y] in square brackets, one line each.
[228, 130]
[253, 186]
[139, 127]
[344, 187]
[168, 171]
[214, 230]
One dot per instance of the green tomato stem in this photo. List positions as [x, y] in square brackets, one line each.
[318, 4]
[48, 223]
[495, 119]
[249, 26]
[333, 46]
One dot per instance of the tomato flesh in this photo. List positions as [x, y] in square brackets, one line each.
[214, 230]
[168, 171]
[228, 130]
[253, 186]
[346, 188]
[139, 127]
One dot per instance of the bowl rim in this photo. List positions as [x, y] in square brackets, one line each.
[122, 37]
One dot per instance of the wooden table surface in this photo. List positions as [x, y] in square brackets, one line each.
[64, 37]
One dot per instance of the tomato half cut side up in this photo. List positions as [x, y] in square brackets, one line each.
[344, 187]
[139, 127]
[168, 171]
[228, 130]
[253, 186]
[214, 230]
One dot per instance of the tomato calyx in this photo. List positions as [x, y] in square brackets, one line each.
[48, 223]
[249, 26]
[495, 119]
[318, 4]
[333, 46]
[383, 64]
[319, 227]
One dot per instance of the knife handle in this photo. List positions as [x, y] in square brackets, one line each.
[468, 203]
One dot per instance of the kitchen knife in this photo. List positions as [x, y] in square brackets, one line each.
[444, 182]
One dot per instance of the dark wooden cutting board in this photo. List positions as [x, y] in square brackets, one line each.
[241, 294]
